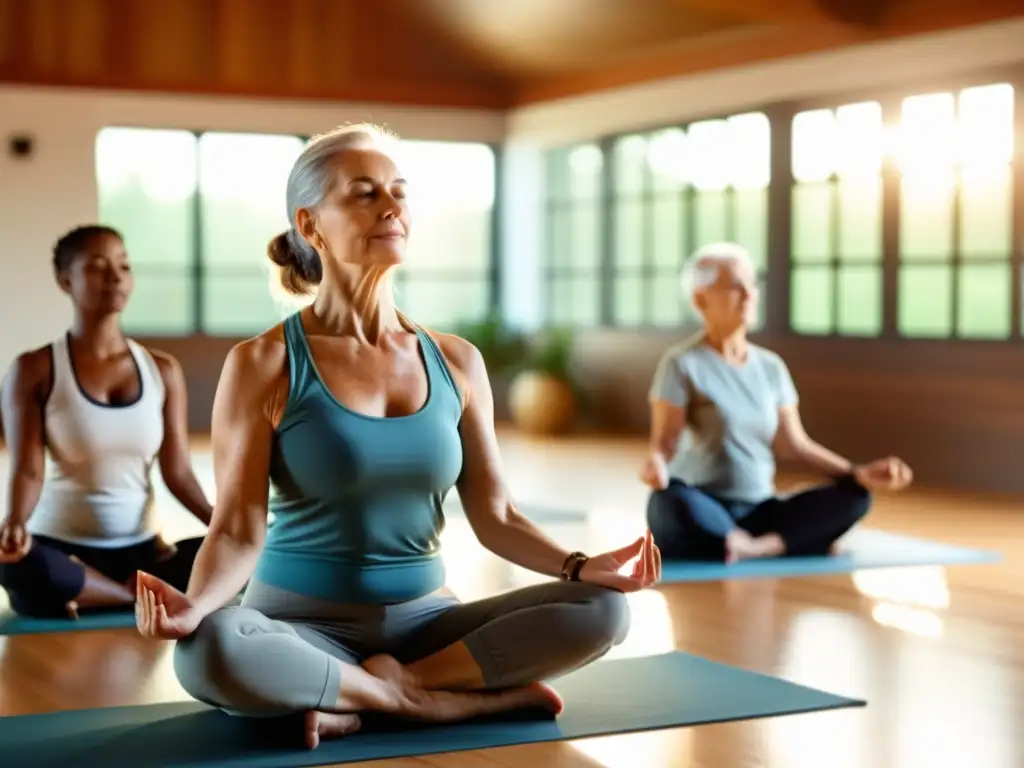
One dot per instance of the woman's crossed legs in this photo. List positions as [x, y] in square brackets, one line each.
[431, 658]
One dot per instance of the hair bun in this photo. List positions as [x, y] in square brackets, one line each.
[300, 270]
[279, 250]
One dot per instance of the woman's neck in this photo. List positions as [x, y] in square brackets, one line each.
[732, 346]
[100, 335]
[362, 308]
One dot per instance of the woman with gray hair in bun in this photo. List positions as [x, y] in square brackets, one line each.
[721, 407]
[357, 423]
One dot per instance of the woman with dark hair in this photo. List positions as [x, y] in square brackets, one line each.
[84, 418]
[356, 423]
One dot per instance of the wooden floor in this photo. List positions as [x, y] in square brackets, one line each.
[938, 653]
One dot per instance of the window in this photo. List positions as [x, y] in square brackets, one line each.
[572, 268]
[954, 153]
[836, 249]
[676, 190]
[242, 179]
[197, 212]
[146, 183]
[447, 277]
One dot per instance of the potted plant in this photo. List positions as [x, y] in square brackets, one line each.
[542, 395]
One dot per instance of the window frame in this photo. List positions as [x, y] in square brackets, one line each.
[198, 266]
[780, 113]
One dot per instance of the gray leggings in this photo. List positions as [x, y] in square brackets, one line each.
[278, 653]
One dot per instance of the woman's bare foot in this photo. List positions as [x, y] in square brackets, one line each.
[740, 545]
[451, 706]
[329, 725]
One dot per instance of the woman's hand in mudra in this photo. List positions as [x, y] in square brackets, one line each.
[604, 569]
[162, 611]
[889, 474]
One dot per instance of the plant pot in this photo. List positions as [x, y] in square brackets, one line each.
[541, 404]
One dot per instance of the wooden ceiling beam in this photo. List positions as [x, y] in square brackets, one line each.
[857, 12]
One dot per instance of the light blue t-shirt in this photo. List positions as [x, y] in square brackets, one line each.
[732, 416]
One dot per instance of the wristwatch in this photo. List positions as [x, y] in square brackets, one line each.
[573, 565]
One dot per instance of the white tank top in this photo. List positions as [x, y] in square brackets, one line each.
[98, 490]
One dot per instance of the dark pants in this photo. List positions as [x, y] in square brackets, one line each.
[690, 524]
[46, 579]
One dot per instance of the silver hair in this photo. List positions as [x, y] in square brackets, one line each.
[309, 182]
[702, 268]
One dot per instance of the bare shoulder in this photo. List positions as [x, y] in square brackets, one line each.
[255, 374]
[259, 360]
[462, 355]
[30, 372]
[168, 365]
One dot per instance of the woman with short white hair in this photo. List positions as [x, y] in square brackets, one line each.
[721, 407]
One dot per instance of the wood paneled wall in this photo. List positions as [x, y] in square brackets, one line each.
[357, 50]
[954, 411]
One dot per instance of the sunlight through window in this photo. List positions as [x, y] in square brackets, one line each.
[750, 161]
[859, 140]
[710, 146]
[446, 277]
[923, 587]
[913, 621]
[969, 696]
[651, 631]
[830, 651]
[666, 154]
[925, 141]
[985, 130]
[242, 183]
[248, 168]
[815, 145]
[639, 750]
[162, 163]
[146, 182]
[448, 174]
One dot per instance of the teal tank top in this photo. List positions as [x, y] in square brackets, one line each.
[356, 500]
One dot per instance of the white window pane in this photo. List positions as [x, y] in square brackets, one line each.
[814, 145]
[710, 148]
[666, 157]
[629, 157]
[859, 140]
[451, 201]
[986, 126]
[242, 181]
[926, 139]
[443, 302]
[750, 154]
[146, 182]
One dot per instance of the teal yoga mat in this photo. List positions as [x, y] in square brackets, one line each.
[12, 624]
[607, 697]
[862, 549]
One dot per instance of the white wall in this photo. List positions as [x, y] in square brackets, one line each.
[55, 189]
[709, 94]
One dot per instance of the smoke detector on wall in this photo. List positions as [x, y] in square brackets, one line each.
[20, 145]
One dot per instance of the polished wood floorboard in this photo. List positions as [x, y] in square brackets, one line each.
[938, 653]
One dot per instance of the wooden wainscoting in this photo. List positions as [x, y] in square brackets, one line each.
[954, 410]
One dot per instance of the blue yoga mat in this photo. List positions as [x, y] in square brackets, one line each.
[607, 697]
[862, 549]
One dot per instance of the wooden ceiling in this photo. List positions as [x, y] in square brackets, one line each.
[488, 53]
